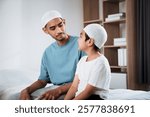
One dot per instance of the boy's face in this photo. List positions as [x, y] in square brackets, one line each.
[56, 28]
[82, 41]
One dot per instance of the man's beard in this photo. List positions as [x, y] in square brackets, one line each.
[61, 36]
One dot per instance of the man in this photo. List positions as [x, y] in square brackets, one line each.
[59, 59]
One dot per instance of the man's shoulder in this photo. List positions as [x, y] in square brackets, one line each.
[53, 44]
[74, 38]
[50, 47]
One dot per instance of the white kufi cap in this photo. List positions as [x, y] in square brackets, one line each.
[49, 16]
[96, 32]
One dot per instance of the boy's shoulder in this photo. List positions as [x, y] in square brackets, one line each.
[83, 59]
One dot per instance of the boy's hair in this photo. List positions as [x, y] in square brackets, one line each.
[95, 47]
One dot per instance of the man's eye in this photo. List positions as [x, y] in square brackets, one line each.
[52, 28]
[60, 25]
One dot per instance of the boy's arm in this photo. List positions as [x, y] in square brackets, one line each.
[73, 89]
[86, 93]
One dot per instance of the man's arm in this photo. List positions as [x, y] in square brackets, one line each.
[25, 93]
[55, 93]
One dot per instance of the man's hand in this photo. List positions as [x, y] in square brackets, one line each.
[51, 95]
[24, 95]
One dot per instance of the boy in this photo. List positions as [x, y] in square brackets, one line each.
[92, 77]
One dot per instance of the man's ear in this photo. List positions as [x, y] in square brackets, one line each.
[44, 29]
[64, 21]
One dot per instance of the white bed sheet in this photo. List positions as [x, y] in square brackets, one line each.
[13, 81]
[127, 94]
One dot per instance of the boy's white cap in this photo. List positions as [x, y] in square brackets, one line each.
[49, 16]
[98, 33]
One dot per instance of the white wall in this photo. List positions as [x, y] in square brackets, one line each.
[10, 33]
[22, 41]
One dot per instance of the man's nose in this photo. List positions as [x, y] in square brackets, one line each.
[58, 30]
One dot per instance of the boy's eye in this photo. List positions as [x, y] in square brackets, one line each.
[52, 28]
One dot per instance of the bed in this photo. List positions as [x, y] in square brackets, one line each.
[127, 94]
[13, 81]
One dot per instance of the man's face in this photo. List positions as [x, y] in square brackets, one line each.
[56, 28]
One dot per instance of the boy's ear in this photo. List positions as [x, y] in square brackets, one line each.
[91, 41]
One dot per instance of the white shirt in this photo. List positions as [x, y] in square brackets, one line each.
[96, 73]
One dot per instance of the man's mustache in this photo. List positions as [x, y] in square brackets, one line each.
[60, 34]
